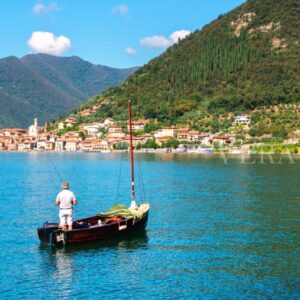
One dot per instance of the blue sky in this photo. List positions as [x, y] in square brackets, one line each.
[107, 32]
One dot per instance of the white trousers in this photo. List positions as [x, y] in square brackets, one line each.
[66, 216]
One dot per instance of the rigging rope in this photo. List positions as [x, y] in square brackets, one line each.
[141, 179]
[119, 179]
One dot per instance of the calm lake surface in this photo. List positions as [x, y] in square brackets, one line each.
[215, 231]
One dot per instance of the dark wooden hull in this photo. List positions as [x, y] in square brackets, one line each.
[51, 234]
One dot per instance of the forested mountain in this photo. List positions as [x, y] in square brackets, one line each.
[45, 86]
[246, 58]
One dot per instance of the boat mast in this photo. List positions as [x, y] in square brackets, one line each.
[133, 203]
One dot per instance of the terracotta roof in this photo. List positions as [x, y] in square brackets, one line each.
[6, 138]
[137, 123]
[13, 130]
[182, 129]
[221, 137]
[147, 135]
[134, 138]
[70, 120]
[91, 139]
[164, 138]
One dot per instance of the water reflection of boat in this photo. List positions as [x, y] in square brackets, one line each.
[136, 240]
[114, 223]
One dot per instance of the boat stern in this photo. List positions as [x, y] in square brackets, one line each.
[45, 233]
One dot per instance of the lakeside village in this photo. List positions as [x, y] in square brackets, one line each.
[109, 136]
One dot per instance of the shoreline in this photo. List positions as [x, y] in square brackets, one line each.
[161, 151]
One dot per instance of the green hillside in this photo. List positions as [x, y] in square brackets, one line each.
[248, 58]
[46, 86]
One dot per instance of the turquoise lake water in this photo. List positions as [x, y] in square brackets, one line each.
[215, 230]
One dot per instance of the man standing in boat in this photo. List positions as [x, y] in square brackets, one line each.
[66, 199]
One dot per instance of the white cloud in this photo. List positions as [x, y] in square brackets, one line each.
[40, 9]
[121, 9]
[47, 42]
[160, 41]
[156, 41]
[130, 51]
[179, 35]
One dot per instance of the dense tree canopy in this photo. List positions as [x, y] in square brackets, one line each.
[218, 69]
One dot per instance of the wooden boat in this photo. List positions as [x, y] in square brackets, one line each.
[102, 226]
[94, 228]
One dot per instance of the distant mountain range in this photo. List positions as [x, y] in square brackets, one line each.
[247, 58]
[45, 86]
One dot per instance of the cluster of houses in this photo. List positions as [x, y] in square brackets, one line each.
[98, 136]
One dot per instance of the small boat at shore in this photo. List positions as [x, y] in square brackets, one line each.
[201, 151]
[116, 222]
[236, 151]
[180, 150]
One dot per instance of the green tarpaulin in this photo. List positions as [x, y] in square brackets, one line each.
[118, 210]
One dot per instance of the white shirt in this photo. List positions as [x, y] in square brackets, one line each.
[65, 199]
